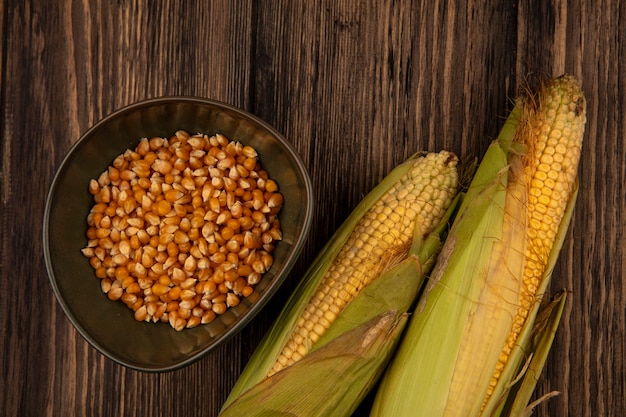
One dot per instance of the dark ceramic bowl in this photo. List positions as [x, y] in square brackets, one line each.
[110, 326]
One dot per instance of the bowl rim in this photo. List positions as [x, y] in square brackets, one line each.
[298, 245]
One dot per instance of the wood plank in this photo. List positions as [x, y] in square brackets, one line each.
[369, 89]
[67, 65]
[357, 87]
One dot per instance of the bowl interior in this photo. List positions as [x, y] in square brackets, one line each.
[110, 326]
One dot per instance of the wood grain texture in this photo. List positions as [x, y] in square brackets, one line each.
[356, 86]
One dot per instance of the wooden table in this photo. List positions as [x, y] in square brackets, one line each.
[356, 86]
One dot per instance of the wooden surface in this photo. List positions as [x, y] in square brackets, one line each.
[356, 86]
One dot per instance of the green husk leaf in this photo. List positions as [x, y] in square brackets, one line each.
[330, 381]
[395, 289]
[543, 333]
[353, 351]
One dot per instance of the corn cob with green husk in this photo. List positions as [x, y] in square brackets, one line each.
[469, 339]
[343, 320]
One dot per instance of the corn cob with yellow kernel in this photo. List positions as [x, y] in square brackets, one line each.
[469, 338]
[345, 317]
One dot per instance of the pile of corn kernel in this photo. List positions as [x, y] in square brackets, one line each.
[182, 228]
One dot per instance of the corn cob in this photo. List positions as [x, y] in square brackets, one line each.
[392, 237]
[380, 239]
[467, 338]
